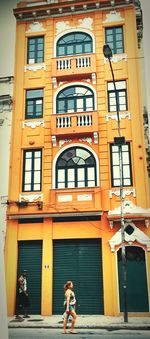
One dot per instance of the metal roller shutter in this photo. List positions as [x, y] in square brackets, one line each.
[79, 260]
[30, 258]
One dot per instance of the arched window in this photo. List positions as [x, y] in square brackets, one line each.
[74, 43]
[76, 167]
[75, 99]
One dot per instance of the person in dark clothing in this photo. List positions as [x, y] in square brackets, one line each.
[23, 297]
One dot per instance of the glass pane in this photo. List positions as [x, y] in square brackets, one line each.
[31, 61]
[61, 175]
[71, 184]
[88, 48]
[78, 49]
[36, 187]
[36, 93]
[81, 162]
[126, 171]
[81, 174]
[91, 173]
[69, 50]
[69, 38]
[109, 39]
[61, 50]
[89, 103]
[61, 185]
[31, 48]
[37, 164]
[40, 47]
[28, 155]
[37, 154]
[79, 105]
[71, 174]
[127, 182]
[81, 153]
[91, 183]
[27, 187]
[116, 182]
[37, 177]
[29, 108]
[116, 172]
[27, 177]
[31, 41]
[61, 106]
[81, 184]
[28, 164]
[40, 54]
[112, 101]
[115, 158]
[121, 84]
[70, 105]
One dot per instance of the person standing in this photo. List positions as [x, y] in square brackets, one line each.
[69, 304]
[23, 297]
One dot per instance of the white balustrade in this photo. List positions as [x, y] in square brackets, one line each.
[84, 120]
[63, 64]
[63, 122]
[83, 62]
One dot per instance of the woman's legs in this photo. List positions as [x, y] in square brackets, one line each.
[74, 316]
[65, 322]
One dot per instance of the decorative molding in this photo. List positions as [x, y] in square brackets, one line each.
[94, 78]
[54, 81]
[33, 124]
[34, 67]
[54, 141]
[146, 223]
[30, 198]
[122, 115]
[113, 16]
[95, 135]
[117, 58]
[86, 23]
[126, 192]
[130, 208]
[36, 27]
[88, 139]
[137, 235]
[84, 197]
[64, 198]
[62, 26]
[62, 142]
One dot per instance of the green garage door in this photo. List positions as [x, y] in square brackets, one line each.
[137, 292]
[30, 259]
[79, 260]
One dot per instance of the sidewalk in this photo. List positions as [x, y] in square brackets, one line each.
[83, 321]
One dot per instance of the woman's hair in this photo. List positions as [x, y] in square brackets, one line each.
[67, 284]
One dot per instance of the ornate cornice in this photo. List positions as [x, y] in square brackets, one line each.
[137, 236]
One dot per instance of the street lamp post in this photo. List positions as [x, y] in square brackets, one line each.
[119, 141]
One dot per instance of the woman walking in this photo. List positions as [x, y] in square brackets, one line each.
[69, 303]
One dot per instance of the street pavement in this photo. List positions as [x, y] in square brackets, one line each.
[83, 322]
[44, 333]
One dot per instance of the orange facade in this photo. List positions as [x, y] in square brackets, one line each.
[75, 193]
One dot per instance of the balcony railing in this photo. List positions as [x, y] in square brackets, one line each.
[74, 123]
[73, 65]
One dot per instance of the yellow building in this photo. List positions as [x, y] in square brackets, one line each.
[64, 190]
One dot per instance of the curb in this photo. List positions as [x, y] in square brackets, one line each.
[106, 327]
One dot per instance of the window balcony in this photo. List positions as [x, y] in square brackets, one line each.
[70, 123]
[69, 200]
[75, 65]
